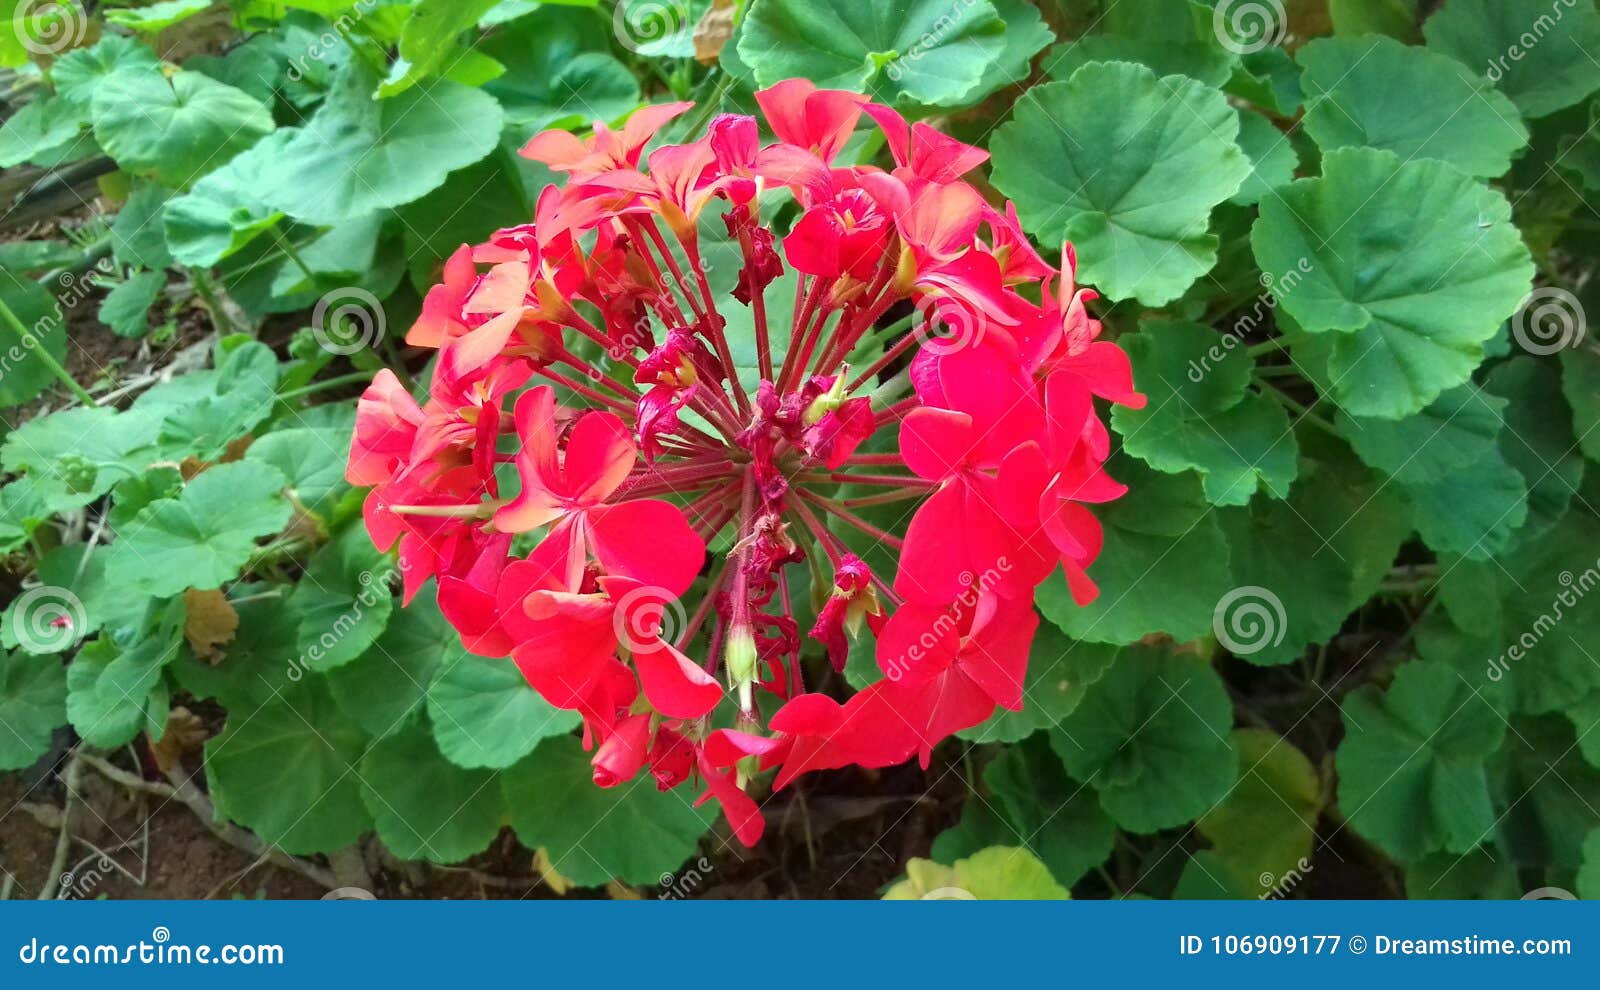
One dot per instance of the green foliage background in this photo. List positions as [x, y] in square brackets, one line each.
[1345, 626]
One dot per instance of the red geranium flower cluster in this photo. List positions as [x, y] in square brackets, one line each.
[913, 332]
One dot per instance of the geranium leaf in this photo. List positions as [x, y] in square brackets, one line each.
[1491, 37]
[422, 806]
[484, 714]
[999, 873]
[33, 701]
[222, 213]
[177, 128]
[386, 687]
[1151, 738]
[1263, 830]
[343, 600]
[126, 308]
[1350, 86]
[631, 832]
[1057, 818]
[909, 51]
[1059, 672]
[39, 314]
[1132, 190]
[1408, 269]
[1411, 767]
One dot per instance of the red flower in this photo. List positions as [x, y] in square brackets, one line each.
[672, 416]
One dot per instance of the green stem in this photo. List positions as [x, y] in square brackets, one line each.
[28, 340]
[327, 383]
[208, 295]
[293, 255]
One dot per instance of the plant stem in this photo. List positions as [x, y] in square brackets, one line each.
[32, 343]
[327, 383]
[213, 303]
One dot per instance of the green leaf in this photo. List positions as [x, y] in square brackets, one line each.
[1465, 497]
[1133, 190]
[1477, 875]
[1411, 767]
[1054, 817]
[1208, 421]
[1350, 86]
[485, 715]
[430, 43]
[114, 683]
[906, 52]
[1589, 875]
[126, 308]
[76, 455]
[37, 310]
[224, 407]
[222, 213]
[1151, 738]
[1580, 383]
[1162, 569]
[288, 771]
[1523, 621]
[1538, 54]
[157, 16]
[1183, 53]
[1396, 18]
[1537, 439]
[44, 132]
[1208, 877]
[1264, 829]
[1405, 270]
[343, 600]
[1549, 793]
[632, 832]
[1059, 672]
[1273, 160]
[33, 701]
[137, 238]
[554, 76]
[75, 575]
[999, 873]
[259, 664]
[355, 155]
[176, 129]
[201, 538]
[78, 74]
[312, 458]
[1303, 564]
[387, 686]
[424, 808]
[32, 257]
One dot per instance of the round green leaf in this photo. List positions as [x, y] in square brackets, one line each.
[43, 326]
[1411, 767]
[357, 155]
[343, 600]
[1404, 270]
[1350, 86]
[999, 873]
[288, 771]
[485, 715]
[33, 701]
[1056, 818]
[632, 832]
[1540, 54]
[1134, 189]
[201, 538]
[908, 51]
[126, 308]
[1273, 159]
[77, 75]
[422, 806]
[1151, 739]
[176, 129]
[385, 688]
[1263, 830]
[222, 213]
